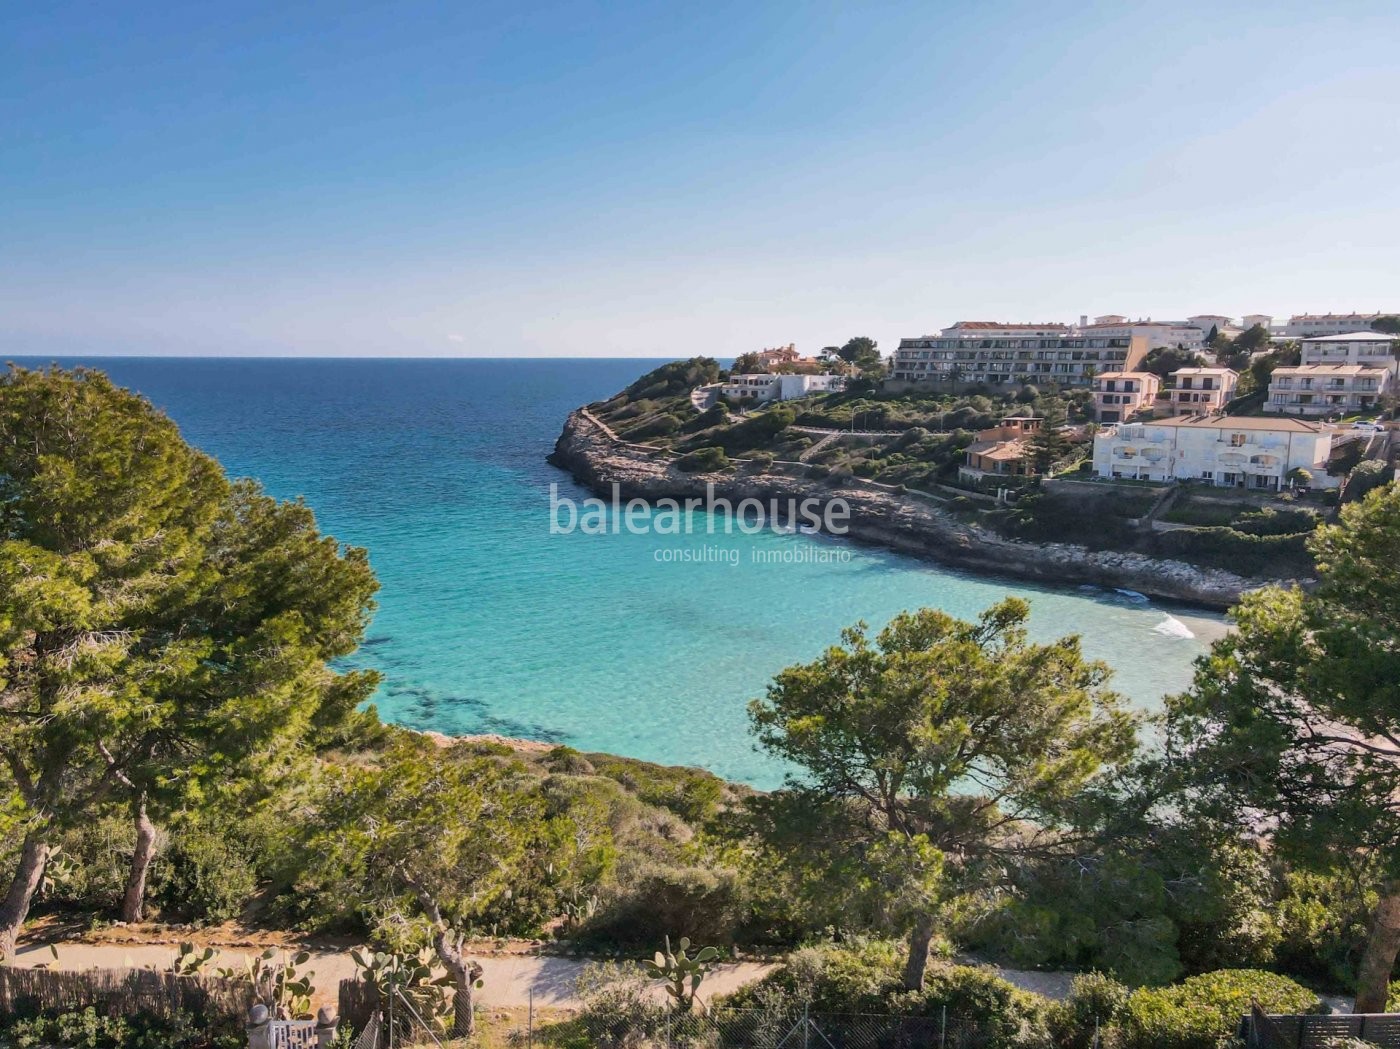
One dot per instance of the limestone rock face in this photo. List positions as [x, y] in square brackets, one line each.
[598, 460]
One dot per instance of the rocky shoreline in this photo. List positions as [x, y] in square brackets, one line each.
[598, 460]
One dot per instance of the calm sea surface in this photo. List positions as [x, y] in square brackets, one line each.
[490, 623]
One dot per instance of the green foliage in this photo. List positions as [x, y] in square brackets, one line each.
[703, 460]
[855, 977]
[165, 632]
[675, 378]
[207, 873]
[617, 1005]
[680, 973]
[410, 976]
[1275, 721]
[1266, 556]
[90, 1029]
[674, 894]
[277, 981]
[692, 794]
[1365, 479]
[861, 350]
[959, 737]
[1163, 360]
[1204, 1011]
[190, 960]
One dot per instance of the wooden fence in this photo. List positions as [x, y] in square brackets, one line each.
[1317, 1031]
[123, 992]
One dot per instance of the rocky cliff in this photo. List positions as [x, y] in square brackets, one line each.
[904, 523]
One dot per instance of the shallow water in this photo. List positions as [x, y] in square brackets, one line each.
[490, 623]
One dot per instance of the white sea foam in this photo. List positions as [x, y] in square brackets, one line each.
[1170, 626]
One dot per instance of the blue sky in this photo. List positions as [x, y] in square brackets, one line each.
[602, 179]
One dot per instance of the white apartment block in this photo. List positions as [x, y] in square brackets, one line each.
[1207, 321]
[1307, 325]
[1118, 396]
[973, 352]
[763, 387]
[1225, 451]
[1326, 389]
[1201, 391]
[1157, 333]
[1371, 349]
[1261, 320]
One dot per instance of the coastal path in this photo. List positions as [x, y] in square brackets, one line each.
[814, 430]
[509, 980]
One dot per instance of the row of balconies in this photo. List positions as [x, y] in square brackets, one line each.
[1364, 385]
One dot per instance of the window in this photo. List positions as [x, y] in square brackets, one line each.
[1237, 440]
[1207, 475]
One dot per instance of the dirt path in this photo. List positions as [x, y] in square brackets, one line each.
[509, 979]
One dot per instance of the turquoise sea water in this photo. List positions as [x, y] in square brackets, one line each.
[490, 623]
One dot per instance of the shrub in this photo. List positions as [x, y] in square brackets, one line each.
[89, 1029]
[703, 902]
[207, 874]
[849, 978]
[661, 426]
[762, 460]
[1204, 1011]
[618, 1007]
[692, 794]
[703, 460]
[1095, 1003]
[1365, 479]
[984, 1011]
[568, 761]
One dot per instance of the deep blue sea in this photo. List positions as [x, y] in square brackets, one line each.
[487, 622]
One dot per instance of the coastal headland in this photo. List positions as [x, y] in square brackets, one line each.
[597, 459]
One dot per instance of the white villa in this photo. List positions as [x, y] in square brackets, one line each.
[1201, 391]
[1226, 451]
[1372, 349]
[1326, 389]
[763, 387]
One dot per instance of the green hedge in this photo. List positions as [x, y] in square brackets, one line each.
[1204, 1011]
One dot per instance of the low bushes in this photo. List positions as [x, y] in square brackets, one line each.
[1236, 551]
[985, 1010]
[1204, 1011]
[90, 1029]
[703, 460]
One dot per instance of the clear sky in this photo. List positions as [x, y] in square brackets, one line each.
[654, 179]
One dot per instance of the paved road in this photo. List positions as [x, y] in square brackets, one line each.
[508, 979]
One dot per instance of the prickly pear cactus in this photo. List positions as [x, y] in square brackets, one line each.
[681, 972]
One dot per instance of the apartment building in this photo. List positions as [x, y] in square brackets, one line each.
[1118, 396]
[976, 352]
[1371, 349]
[1326, 389]
[1308, 325]
[1157, 333]
[761, 387]
[1201, 391]
[1206, 321]
[1225, 451]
